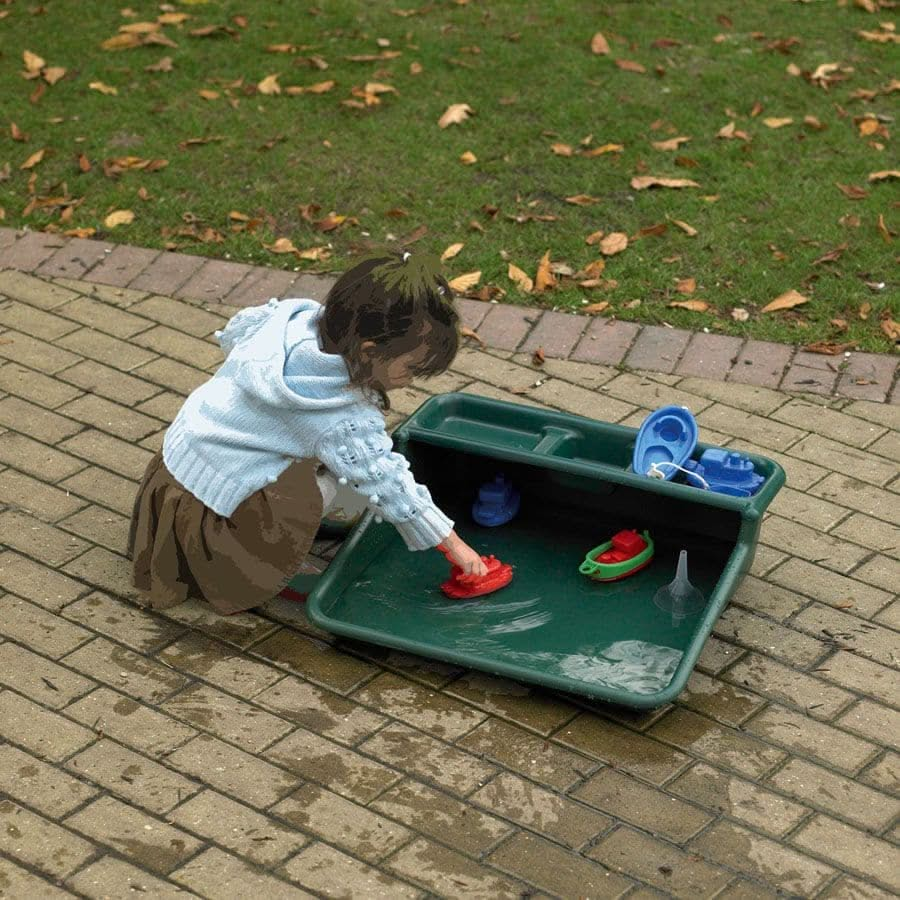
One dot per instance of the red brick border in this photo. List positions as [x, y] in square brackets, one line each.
[859, 376]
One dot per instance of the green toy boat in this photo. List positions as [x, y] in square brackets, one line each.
[628, 552]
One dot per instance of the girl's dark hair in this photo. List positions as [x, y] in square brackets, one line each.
[398, 300]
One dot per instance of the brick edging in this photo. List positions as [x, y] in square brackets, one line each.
[609, 342]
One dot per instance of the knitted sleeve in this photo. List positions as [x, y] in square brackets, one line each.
[359, 452]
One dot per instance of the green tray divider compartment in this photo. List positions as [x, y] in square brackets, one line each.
[552, 626]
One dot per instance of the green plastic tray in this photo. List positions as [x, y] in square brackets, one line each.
[552, 626]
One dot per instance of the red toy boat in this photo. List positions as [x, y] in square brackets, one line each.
[464, 587]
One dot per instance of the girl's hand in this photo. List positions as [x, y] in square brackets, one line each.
[464, 556]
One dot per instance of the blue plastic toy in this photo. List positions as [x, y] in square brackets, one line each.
[725, 472]
[665, 441]
[497, 503]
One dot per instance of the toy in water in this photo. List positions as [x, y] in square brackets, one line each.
[464, 587]
[628, 552]
[679, 597]
[665, 441]
[725, 472]
[497, 503]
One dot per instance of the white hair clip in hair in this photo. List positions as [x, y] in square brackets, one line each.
[406, 255]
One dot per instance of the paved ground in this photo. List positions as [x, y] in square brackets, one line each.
[254, 756]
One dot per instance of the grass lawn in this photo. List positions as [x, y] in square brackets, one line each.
[766, 208]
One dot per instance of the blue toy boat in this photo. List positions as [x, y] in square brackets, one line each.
[498, 502]
[665, 441]
[725, 472]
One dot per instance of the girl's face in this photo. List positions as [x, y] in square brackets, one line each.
[398, 371]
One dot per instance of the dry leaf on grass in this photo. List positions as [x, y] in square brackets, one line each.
[614, 243]
[451, 251]
[119, 217]
[602, 150]
[885, 175]
[777, 123]
[883, 230]
[641, 182]
[593, 238]
[787, 300]
[33, 62]
[692, 305]
[281, 245]
[852, 192]
[629, 65]
[594, 309]
[599, 45]
[739, 314]
[464, 282]
[455, 114]
[34, 159]
[689, 230]
[103, 88]
[582, 200]
[864, 311]
[671, 144]
[468, 158]
[890, 328]
[686, 286]
[269, 85]
[561, 149]
[544, 277]
[164, 65]
[831, 255]
[521, 279]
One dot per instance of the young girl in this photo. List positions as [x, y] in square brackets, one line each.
[230, 507]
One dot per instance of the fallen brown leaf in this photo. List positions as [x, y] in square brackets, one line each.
[883, 176]
[119, 217]
[831, 255]
[594, 309]
[630, 66]
[269, 85]
[814, 123]
[593, 268]
[787, 300]
[739, 314]
[692, 305]
[730, 131]
[593, 238]
[207, 94]
[16, 133]
[103, 88]
[671, 144]
[777, 123]
[657, 230]
[539, 358]
[197, 142]
[687, 229]
[686, 286]
[603, 149]
[164, 65]
[828, 348]
[890, 328]
[562, 149]
[582, 200]
[467, 332]
[33, 62]
[544, 279]
[451, 251]
[52, 74]
[852, 191]
[614, 243]
[84, 164]
[883, 230]
[520, 278]
[464, 282]
[468, 158]
[455, 114]
[840, 324]
[640, 182]
[34, 159]
[864, 311]
[599, 44]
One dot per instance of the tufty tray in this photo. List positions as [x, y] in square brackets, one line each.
[552, 626]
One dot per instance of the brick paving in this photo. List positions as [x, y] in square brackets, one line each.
[254, 755]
